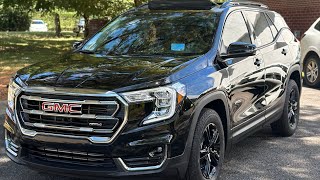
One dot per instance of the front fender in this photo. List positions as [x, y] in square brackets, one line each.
[293, 69]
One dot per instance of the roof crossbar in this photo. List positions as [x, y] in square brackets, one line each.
[244, 3]
[181, 4]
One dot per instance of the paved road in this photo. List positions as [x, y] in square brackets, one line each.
[261, 156]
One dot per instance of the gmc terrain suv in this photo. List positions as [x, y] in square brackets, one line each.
[166, 89]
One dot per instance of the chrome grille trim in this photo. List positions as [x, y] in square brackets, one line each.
[82, 116]
[10, 146]
[73, 93]
[91, 102]
[37, 98]
[69, 128]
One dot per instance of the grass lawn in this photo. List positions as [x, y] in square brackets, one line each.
[20, 49]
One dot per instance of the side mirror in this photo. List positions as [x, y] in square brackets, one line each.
[240, 49]
[76, 44]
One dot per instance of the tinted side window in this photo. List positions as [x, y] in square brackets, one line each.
[317, 27]
[235, 30]
[261, 27]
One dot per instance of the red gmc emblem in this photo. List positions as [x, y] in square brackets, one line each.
[62, 108]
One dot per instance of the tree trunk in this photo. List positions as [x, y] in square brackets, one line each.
[86, 26]
[137, 2]
[57, 24]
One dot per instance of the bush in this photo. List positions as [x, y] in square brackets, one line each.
[14, 20]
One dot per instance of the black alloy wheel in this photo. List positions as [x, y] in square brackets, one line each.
[208, 147]
[293, 109]
[288, 123]
[210, 151]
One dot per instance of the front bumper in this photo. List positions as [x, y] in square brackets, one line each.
[156, 149]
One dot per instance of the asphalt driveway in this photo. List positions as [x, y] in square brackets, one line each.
[261, 156]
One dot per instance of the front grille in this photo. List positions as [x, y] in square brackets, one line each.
[69, 158]
[96, 116]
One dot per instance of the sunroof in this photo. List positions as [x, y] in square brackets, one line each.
[181, 5]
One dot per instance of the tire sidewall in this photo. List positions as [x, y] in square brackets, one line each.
[291, 86]
[207, 116]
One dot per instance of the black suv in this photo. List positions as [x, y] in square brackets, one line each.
[165, 88]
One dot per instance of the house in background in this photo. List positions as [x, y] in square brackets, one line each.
[299, 15]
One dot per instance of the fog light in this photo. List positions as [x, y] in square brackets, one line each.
[155, 152]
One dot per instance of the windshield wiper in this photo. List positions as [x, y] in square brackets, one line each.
[86, 52]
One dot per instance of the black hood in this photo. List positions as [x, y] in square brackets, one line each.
[99, 72]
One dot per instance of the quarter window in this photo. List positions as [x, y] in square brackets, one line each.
[272, 27]
[235, 30]
[261, 27]
[317, 27]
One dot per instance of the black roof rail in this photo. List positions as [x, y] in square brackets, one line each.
[181, 4]
[142, 6]
[243, 3]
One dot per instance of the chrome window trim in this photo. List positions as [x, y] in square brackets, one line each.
[121, 163]
[74, 92]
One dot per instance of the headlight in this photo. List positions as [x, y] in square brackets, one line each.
[165, 100]
[13, 90]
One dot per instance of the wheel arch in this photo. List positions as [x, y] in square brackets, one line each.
[310, 54]
[211, 100]
[217, 101]
[295, 74]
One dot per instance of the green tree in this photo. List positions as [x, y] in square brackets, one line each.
[139, 2]
[95, 8]
[43, 6]
[48, 6]
[84, 8]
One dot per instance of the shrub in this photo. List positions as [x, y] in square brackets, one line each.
[14, 20]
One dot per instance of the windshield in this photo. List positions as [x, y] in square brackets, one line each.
[157, 33]
[37, 22]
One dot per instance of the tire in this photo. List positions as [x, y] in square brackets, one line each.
[209, 121]
[311, 71]
[288, 123]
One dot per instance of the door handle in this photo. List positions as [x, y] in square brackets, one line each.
[258, 62]
[284, 51]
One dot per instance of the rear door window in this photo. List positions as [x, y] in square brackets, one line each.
[261, 27]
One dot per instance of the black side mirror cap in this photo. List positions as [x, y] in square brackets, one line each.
[76, 44]
[240, 49]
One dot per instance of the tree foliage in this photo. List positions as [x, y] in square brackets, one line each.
[95, 8]
[13, 20]
[85, 8]
[139, 2]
